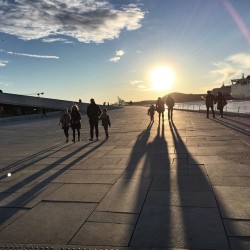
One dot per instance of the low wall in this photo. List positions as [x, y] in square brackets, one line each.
[40, 102]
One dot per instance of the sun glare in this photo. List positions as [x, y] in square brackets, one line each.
[162, 78]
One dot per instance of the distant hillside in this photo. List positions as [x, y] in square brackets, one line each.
[178, 97]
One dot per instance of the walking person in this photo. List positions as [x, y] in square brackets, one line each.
[151, 112]
[44, 112]
[105, 122]
[170, 103]
[160, 108]
[221, 103]
[65, 122]
[210, 103]
[93, 113]
[75, 122]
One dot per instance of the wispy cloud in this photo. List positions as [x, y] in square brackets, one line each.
[30, 55]
[53, 40]
[86, 21]
[233, 66]
[5, 84]
[119, 54]
[115, 59]
[135, 82]
[3, 63]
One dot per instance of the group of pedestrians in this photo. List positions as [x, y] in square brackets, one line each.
[160, 108]
[210, 101]
[73, 119]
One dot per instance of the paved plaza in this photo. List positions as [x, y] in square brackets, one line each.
[170, 185]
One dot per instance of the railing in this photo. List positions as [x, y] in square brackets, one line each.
[201, 108]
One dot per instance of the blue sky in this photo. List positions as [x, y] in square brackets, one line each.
[71, 49]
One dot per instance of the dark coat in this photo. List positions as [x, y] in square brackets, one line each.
[160, 106]
[93, 112]
[75, 119]
[105, 120]
[170, 102]
[221, 102]
[65, 120]
[210, 100]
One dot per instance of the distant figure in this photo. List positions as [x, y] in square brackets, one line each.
[160, 108]
[65, 122]
[93, 113]
[131, 103]
[80, 100]
[44, 112]
[221, 102]
[170, 103]
[105, 122]
[75, 122]
[210, 103]
[151, 112]
[104, 104]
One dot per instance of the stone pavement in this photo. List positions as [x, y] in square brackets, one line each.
[180, 185]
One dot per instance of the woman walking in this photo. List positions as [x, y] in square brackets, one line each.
[65, 122]
[221, 103]
[75, 122]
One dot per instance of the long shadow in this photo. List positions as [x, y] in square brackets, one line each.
[198, 209]
[30, 160]
[234, 127]
[31, 194]
[235, 121]
[148, 162]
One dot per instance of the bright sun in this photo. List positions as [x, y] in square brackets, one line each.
[162, 78]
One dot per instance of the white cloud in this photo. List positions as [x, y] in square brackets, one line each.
[3, 63]
[232, 67]
[115, 59]
[53, 40]
[120, 52]
[85, 20]
[241, 59]
[30, 55]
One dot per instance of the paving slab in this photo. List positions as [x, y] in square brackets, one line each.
[93, 233]
[125, 196]
[80, 192]
[166, 226]
[234, 202]
[47, 223]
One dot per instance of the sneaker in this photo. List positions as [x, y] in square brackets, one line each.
[73, 140]
[67, 140]
[97, 139]
[91, 139]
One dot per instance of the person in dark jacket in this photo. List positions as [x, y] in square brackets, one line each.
[105, 122]
[210, 103]
[221, 102]
[93, 113]
[75, 122]
[170, 103]
[160, 108]
[65, 122]
[151, 112]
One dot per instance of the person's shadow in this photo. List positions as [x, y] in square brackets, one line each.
[180, 209]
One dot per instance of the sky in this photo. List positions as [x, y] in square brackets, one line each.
[82, 49]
